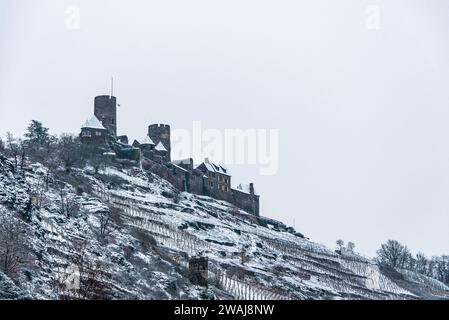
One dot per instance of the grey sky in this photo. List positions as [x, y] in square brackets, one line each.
[363, 114]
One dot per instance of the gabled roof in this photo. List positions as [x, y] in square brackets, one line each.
[93, 123]
[160, 147]
[213, 167]
[147, 141]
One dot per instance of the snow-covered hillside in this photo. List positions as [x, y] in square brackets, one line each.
[130, 235]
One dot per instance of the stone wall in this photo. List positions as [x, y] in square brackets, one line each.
[246, 201]
[96, 137]
[105, 109]
[196, 182]
[198, 271]
[161, 133]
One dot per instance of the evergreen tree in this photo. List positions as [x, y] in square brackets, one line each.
[36, 133]
[39, 143]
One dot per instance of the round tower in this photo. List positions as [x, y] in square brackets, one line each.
[105, 109]
[160, 133]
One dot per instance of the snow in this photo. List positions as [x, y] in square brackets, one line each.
[160, 147]
[280, 265]
[182, 161]
[93, 123]
[147, 141]
[242, 187]
[216, 168]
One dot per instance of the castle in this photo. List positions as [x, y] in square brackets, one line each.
[153, 153]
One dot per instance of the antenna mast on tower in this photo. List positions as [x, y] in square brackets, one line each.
[112, 86]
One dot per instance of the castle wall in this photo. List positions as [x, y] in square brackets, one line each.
[197, 183]
[176, 176]
[149, 152]
[123, 139]
[126, 152]
[246, 201]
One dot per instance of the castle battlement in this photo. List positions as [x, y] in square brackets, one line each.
[157, 125]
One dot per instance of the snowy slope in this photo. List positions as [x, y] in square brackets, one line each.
[152, 233]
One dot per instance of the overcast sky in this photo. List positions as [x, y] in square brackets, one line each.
[362, 113]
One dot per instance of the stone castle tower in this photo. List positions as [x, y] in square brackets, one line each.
[161, 133]
[105, 109]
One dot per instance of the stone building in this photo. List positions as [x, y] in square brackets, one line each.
[219, 179]
[198, 271]
[93, 132]
[219, 184]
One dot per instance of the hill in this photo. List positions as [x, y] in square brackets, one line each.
[128, 234]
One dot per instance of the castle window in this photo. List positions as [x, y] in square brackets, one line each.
[86, 133]
[98, 133]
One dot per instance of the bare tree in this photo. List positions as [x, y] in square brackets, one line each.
[12, 149]
[38, 193]
[105, 225]
[16, 149]
[22, 154]
[92, 155]
[93, 279]
[441, 268]
[393, 254]
[13, 249]
[68, 204]
[350, 246]
[51, 164]
[340, 244]
[69, 151]
[421, 264]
